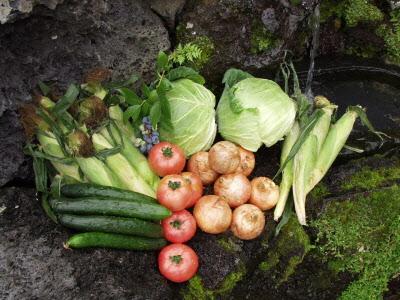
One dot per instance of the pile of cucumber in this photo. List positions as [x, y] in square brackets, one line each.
[109, 217]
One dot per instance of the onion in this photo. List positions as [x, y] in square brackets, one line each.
[224, 157]
[264, 193]
[248, 222]
[233, 188]
[212, 214]
[199, 165]
[247, 162]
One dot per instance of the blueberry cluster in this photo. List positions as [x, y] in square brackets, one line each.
[150, 136]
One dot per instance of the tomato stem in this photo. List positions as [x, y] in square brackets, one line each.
[174, 185]
[167, 151]
[176, 224]
[176, 259]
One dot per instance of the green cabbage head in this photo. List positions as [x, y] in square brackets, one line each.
[253, 111]
[192, 116]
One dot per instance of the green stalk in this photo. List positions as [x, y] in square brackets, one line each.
[51, 147]
[132, 154]
[287, 173]
[334, 142]
[305, 160]
[122, 168]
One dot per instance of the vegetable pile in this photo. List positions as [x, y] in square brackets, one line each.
[89, 150]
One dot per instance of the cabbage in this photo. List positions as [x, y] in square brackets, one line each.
[254, 111]
[192, 116]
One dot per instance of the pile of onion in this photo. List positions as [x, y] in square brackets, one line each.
[228, 166]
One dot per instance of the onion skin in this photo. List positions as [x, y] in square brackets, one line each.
[199, 165]
[224, 157]
[264, 193]
[212, 214]
[247, 162]
[248, 222]
[233, 188]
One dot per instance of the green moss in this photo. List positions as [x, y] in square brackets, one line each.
[391, 35]
[291, 245]
[195, 289]
[319, 192]
[362, 236]
[364, 51]
[229, 244]
[295, 2]
[357, 11]
[369, 178]
[351, 11]
[261, 39]
[230, 281]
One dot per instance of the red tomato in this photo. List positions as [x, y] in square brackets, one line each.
[196, 186]
[166, 158]
[180, 227]
[178, 262]
[174, 192]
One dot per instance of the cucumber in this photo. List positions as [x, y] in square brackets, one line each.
[111, 207]
[130, 226]
[79, 190]
[113, 240]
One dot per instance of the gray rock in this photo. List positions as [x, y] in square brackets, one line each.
[11, 147]
[246, 34]
[168, 11]
[269, 19]
[61, 45]
[11, 10]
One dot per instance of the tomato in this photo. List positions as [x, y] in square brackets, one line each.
[166, 158]
[174, 192]
[178, 262]
[180, 227]
[196, 186]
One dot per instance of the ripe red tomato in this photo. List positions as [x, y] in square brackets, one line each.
[174, 192]
[180, 227]
[166, 158]
[196, 186]
[178, 262]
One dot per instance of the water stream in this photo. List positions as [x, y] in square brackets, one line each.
[313, 52]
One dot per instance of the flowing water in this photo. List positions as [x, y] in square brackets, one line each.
[313, 52]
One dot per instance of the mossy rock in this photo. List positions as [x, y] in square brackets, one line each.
[361, 235]
[363, 28]
[287, 251]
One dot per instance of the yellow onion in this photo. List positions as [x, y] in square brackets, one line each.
[199, 165]
[264, 193]
[248, 222]
[233, 188]
[212, 214]
[224, 157]
[247, 162]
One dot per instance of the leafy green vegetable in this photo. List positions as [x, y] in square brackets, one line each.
[192, 116]
[253, 111]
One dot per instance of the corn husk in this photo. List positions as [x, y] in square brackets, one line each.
[122, 168]
[287, 173]
[305, 160]
[334, 142]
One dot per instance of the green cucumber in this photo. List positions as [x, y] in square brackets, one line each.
[79, 190]
[129, 226]
[110, 207]
[113, 240]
